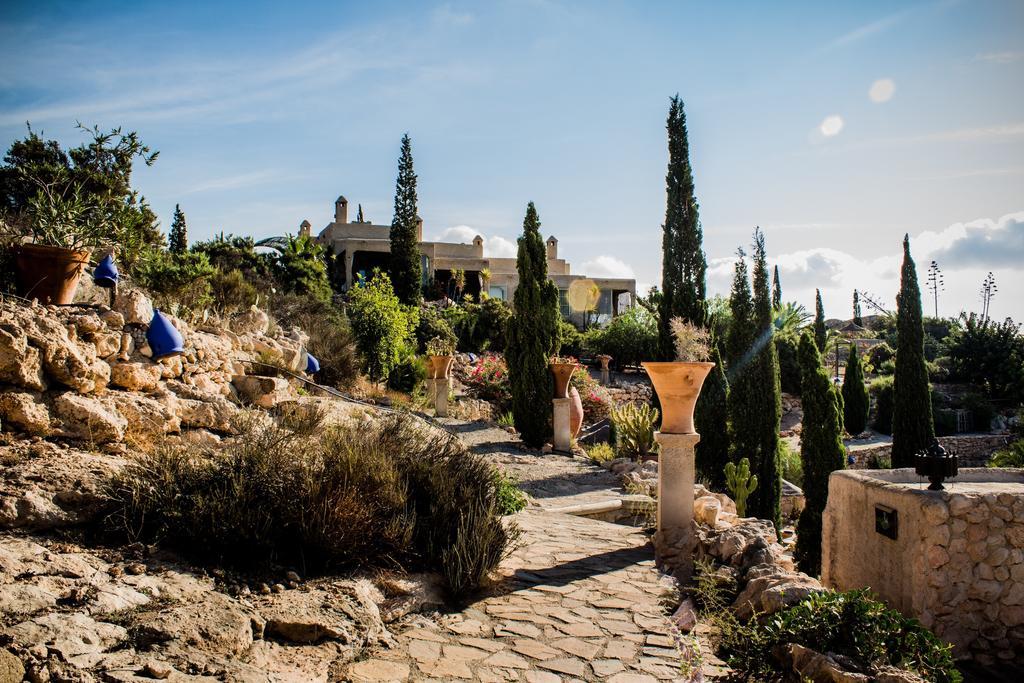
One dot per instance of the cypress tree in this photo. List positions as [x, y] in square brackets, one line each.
[711, 418]
[359, 214]
[765, 412]
[532, 336]
[177, 240]
[821, 451]
[684, 266]
[776, 290]
[857, 319]
[912, 426]
[741, 328]
[406, 272]
[855, 394]
[820, 333]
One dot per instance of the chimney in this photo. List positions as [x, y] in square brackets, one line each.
[341, 210]
[478, 246]
[552, 248]
[304, 229]
[419, 229]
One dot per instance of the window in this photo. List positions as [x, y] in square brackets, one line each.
[496, 292]
[563, 303]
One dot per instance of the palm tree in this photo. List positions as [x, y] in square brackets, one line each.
[789, 319]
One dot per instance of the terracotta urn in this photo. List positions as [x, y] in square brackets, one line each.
[563, 373]
[440, 366]
[575, 412]
[49, 274]
[678, 386]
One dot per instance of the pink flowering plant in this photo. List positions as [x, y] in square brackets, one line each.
[488, 377]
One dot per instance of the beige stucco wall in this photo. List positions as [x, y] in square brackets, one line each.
[957, 563]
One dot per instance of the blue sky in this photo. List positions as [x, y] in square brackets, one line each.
[835, 128]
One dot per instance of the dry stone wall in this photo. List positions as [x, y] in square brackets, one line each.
[972, 450]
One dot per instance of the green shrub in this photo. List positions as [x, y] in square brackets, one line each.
[381, 324]
[330, 338]
[853, 624]
[409, 373]
[792, 465]
[507, 419]
[432, 324]
[479, 327]
[323, 499]
[600, 453]
[982, 412]
[179, 283]
[570, 339]
[629, 339]
[634, 429]
[1011, 456]
[881, 390]
[511, 499]
[231, 292]
[880, 354]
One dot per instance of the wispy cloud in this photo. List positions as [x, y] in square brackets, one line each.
[1007, 57]
[232, 182]
[983, 134]
[867, 30]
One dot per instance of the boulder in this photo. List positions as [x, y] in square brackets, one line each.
[135, 306]
[265, 392]
[770, 589]
[78, 638]
[135, 376]
[253, 321]
[11, 668]
[25, 412]
[306, 618]
[20, 364]
[810, 665]
[89, 419]
[217, 624]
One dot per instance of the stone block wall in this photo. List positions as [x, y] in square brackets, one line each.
[957, 559]
[973, 450]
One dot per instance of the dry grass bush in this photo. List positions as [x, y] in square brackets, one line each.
[330, 337]
[323, 499]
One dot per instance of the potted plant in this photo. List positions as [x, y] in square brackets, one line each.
[678, 382]
[442, 355]
[562, 369]
[53, 241]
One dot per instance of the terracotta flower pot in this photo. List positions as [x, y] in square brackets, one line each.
[563, 373]
[678, 386]
[575, 412]
[440, 366]
[49, 274]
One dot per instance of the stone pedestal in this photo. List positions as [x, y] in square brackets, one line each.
[562, 440]
[605, 373]
[437, 393]
[676, 476]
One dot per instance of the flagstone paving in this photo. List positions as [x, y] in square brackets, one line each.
[581, 600]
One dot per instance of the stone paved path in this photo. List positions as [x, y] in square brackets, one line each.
[581, 601]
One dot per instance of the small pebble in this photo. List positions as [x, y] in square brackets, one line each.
[264, 589]
[136, 568]
[115, 570]
[277, 588]
[293, 576]
[158, 670]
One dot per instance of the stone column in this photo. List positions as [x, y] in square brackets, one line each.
[673, 540]
[349, 259]
[437, 392]
[562, 440]
[605, 374]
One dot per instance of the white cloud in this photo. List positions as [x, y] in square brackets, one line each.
[831, 125]
[882, 90]
[606, 266]
[1007, 57]
[497, 247]
[964, 251]
[445, 14]
[233, 182]
[868, 30]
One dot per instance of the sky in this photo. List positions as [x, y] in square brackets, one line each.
[835, 128]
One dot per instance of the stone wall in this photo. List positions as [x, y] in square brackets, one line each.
[973, 450]
[956, 558]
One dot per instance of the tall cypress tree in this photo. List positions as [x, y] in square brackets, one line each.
[857, 319]
[912, 426]
[712, 421]
[820, 333]
[532, 336]
[740, 340]
[855, 394]
[765, 411]
[821, 451]
[684, 266]
[406, 271]
[359, 214]
[177, 240]
[776, 290]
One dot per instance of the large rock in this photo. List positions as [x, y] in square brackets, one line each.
[217, 624]
[770, 589]
[265, 392]
[134, 306]
[143, 376]
[306, 618]
[20, 364]
[66, 358]
[79, 639]
[11, 668]
[253, 321]
[814, 666]
[89, 419]
[149, 416]
[25, 411]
